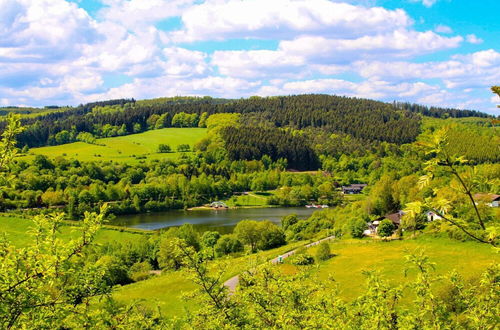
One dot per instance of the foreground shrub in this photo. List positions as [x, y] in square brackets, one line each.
[302, 259]
[323, 253]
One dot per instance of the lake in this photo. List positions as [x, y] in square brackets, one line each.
[221, 220]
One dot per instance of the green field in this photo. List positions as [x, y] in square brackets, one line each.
[129, 148]
[352, 258]
[167, 291]
[17, 229]
[251, 199]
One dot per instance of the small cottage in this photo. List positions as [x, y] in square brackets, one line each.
[492, 200]
[394, 217]
[355, 188]
[432, 216]
[219, 205]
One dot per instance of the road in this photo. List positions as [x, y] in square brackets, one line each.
[232, 283]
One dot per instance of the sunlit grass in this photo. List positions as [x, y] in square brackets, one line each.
[130, 148]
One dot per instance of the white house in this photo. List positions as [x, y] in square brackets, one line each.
[432, 216]
[492, 200]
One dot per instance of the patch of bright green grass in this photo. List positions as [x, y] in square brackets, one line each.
[353, 257]
[130, 148]
[251, 199]
[17, 231]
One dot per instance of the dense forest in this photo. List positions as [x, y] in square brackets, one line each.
[247, 143]
[438, 112]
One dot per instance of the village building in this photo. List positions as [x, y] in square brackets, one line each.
[355, 188]
[219, 205]
[432, 216]
[492, 200]
[394, 217]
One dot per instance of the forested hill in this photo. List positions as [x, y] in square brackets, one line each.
[438, 112]
[363, 119]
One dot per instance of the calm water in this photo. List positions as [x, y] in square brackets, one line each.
[222, 220]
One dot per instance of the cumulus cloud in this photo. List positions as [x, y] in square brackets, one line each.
[138, 14]
[476, 70]
[305, 54]
[171, 86]
[427, 3]
[443, 29]
[377, 89]
[284, 19]
[473, 39]
[43, 30]
[399, 43]
[257, 63]
[184, 62]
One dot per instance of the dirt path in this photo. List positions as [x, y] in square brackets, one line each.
[232, 283]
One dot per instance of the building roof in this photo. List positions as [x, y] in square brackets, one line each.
[487, 197]
[394, 217]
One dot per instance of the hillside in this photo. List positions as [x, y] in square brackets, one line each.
[129, 149]
[363, 119]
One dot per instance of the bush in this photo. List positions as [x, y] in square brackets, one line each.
[356, 227]
[115, 270]
[288, 221]
[140, 271]
[302, 259]
[164, 148]
[228, 244]
[271, 236]
[385, 228]
[183, 148]
[323, 253]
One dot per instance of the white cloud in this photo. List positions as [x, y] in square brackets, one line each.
[426, 3]
[443, 29]
[377, 89]
[174, 86]
[400, 43]
[184, 62]
[309, 54]
[43, 30]
[256, 63]
[285, 18]
[476, 70]
[137, 14]
[473, 39]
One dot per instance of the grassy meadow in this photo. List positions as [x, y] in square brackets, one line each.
[352, 257]
[17, 229]
[252, 199]
[167, 291]
[130, 148]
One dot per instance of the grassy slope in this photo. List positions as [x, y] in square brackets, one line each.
[16, 230]
[354, 256]
[125, 148]
[166, 291]
[252, 199]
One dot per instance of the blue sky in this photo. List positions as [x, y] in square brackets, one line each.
[433, 52]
